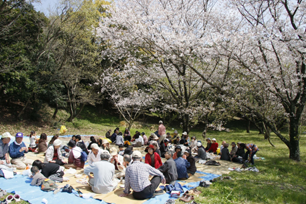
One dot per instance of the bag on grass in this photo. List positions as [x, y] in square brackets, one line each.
[212, 163]
[48, 185]
[83, 156]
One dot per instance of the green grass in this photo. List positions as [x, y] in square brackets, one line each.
[280, 179]
[13, 202]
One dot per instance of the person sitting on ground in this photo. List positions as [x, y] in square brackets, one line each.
[127, 159]
[127, 135]
[52, 171]
[201, 151]
[177, 140]
[233, 150]
[145, 138]
[4, 148]
[178, 151]
[156, 147]
[128, 150]
[251, 150]
[137, 178]
[108, 134]
[54, 154]
[184, 140]
[119, 139]
[72, 138]
[214, 146]
[95, 154]
[114, 135]
[121, 150]
[193, 143]
[169, 168]
[56, 137]
[105, 145]
[17, 152]
[74, 159]
[152, 158]
[33, 144]
[42, 144]
[38, 178]
[92, 141]
[103, 180]
[81, 144]
[168, 136]
[99, 142]
[153, 137]
[174, 135]
[182, 165]
[222, 146]
[164, 147]
[225, 153]
[208, 144]
[239, 155]
[192, 168]
[161, 130]
[138, 140]
[116, 159]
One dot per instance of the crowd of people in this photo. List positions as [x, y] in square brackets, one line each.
[110, 164]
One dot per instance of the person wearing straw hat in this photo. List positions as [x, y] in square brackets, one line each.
[17, 152]
[95, 154]
[4, 148]
[162, 130]
[116, 159]
[105, 145]
[54, 154]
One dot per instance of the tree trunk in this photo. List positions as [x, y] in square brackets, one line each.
[205, 131]
[294, 147]
[81, 109]
[186, 126]
[71, 112]
[55, 112]
[130, 123]
[248, 126]
[23, 109]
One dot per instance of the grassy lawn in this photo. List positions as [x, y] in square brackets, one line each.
[280, 180]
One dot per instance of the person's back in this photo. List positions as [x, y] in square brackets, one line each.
[225, 154]
[201, 153]
[104, 173]
[119, 140]
[169, 170]
[192, 168]
[182, 165]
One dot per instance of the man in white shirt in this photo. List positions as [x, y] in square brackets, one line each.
[95, 154]
[103, 180]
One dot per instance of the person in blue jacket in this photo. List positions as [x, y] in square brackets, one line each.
[181, 165]
[17, 152]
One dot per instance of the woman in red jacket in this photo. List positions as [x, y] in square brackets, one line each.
[214, 146]
[152, 158]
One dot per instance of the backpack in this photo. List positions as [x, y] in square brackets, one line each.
[83, 156]
[48, 185]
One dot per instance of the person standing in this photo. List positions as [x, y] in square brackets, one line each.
[137, 178]
[103, 180]
[17, 152]
[4, 148]
[161, 129]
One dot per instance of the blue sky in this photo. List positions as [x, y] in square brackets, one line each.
[45, 5]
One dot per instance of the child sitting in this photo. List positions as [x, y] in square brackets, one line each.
[38, 178]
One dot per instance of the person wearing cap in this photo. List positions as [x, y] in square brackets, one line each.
[208, 140]
[137, 177]
[184, 140]
[103, 180]
[105, 145]
[178, 152]
[169, 168]
[152, 158]
[53, 153]
[201, 151]
[74, 159]
[108, 134]
[17, 152]
[192, 168]
[164, 147]
[145, 138]
[95, 154]
[117, 160]
[161, 129]
[153, 137]
[214, 146]
[181, 165]
[4, 148]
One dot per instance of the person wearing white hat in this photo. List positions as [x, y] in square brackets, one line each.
[54, 154]
[105, 145]
[137, 178]
[117, 160]
[4, 148]
[201, 151]
[214, 146]
[95, 154]
[161, 130]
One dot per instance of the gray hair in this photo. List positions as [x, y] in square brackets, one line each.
[127, 158]
[170, 153]
[105, 156]
[136, 158]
